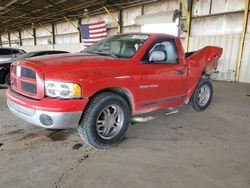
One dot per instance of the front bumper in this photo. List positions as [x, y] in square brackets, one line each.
[52, 118]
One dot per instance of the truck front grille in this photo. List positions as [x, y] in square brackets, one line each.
[28, 73]
[27, 87]
[24, 80]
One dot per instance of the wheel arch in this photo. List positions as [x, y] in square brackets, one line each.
[123, 92]
[193, 103]
[203, 76]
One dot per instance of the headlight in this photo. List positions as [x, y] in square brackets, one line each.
[62, 90]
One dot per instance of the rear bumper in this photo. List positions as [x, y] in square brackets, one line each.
[61, 114]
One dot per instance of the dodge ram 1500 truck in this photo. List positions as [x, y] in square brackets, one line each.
[98, 90]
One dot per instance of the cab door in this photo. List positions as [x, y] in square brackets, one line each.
[162, 82]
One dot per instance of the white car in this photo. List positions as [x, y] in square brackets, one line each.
[7, 54]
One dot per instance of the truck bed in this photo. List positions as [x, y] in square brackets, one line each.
[187, 54]
[203, 61]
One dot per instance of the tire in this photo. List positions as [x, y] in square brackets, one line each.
[204, 90]
[100, 112]
[7, 78]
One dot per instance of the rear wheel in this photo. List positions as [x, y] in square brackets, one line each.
[203, 95]
[105, 121]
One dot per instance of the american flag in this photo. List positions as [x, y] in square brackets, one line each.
[91, 33]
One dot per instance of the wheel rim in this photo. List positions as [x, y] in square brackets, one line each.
[204, 95]
[109, 122]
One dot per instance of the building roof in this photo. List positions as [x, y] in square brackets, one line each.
[20, 14]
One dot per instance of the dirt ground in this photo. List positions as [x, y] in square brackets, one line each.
[190, 149]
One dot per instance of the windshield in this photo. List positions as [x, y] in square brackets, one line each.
[118, 46]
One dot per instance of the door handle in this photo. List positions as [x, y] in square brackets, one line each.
[179, 72]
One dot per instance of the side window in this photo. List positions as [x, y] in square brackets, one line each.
[5, 52]
[167, 46]
[172, 54]
[15, 52]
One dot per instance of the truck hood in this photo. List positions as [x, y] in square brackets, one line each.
[63, 62]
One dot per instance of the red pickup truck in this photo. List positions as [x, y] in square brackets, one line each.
[99, 89]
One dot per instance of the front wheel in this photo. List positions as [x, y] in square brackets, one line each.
[202, 96]
[105, 121]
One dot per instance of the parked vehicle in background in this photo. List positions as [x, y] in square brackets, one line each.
[5, 66]
[97, 91]
[7, 54]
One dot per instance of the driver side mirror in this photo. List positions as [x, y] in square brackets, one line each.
[157, 56]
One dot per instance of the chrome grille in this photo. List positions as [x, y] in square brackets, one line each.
[27, 87]
[28, 73]
[24, 81]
